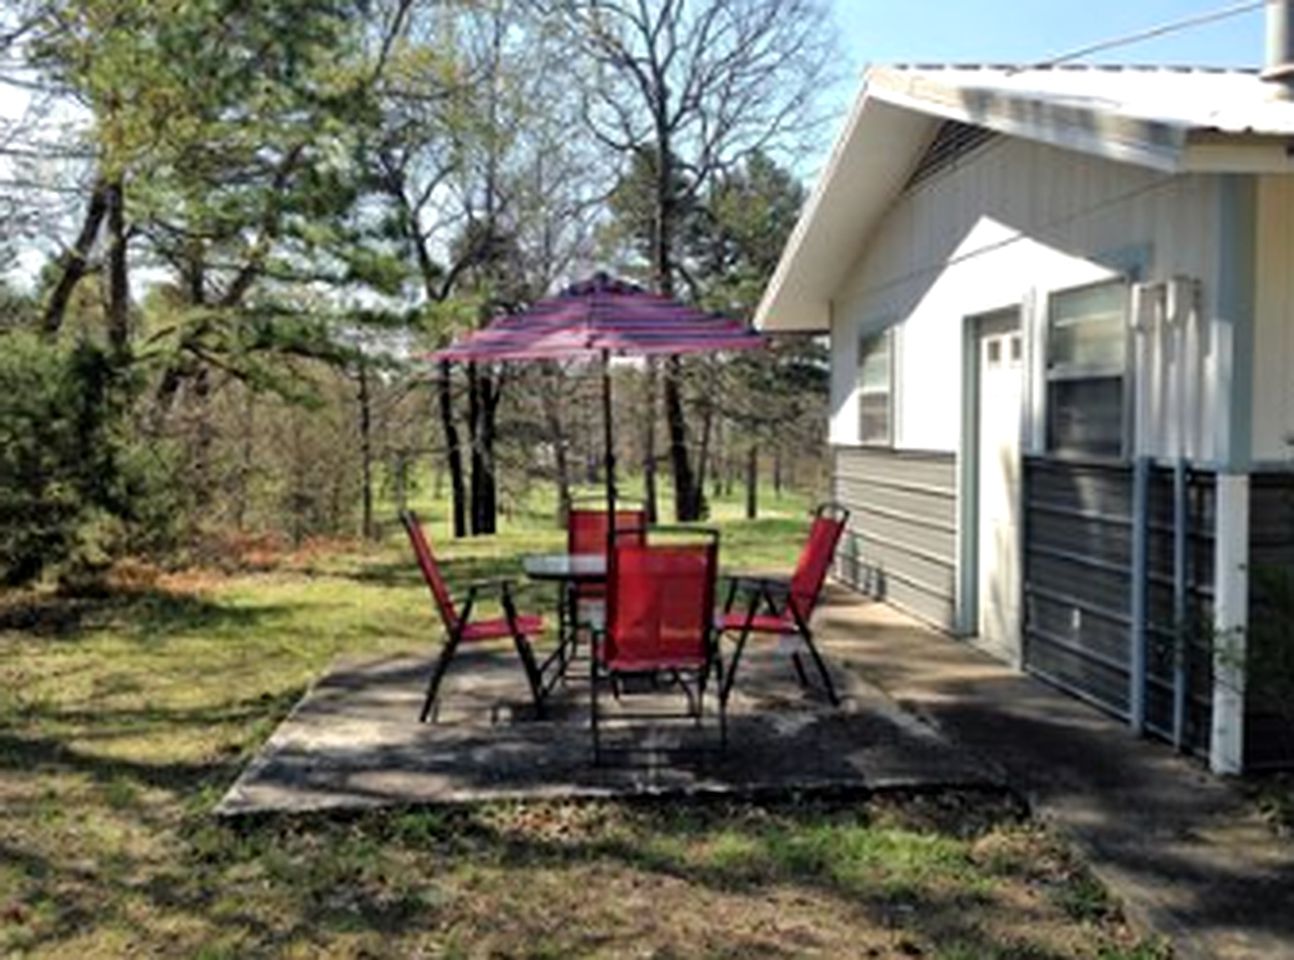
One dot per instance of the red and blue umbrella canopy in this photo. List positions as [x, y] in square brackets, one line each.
[600, 316]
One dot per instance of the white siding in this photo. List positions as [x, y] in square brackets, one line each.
[1273, 381]
[1010, 223]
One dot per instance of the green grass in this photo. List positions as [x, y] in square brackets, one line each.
[125, 716]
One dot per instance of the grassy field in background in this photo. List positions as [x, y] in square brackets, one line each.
[124, 716]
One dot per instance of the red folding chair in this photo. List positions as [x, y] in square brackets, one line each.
[460, 628]
[660, 622]
[586, 533]
[785, 608]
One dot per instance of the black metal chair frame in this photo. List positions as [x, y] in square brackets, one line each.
[455, 630]
[774, 596]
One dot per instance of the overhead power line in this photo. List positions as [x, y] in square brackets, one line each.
[1175, 26]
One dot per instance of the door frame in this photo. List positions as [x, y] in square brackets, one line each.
[968, 464]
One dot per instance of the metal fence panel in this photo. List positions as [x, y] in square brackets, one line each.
[1078, 556]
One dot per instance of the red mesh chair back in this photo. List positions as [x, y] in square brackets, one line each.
[430, 570]
[586, 530]
[660, 604]
[815, 561]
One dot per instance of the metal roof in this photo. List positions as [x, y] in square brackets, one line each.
[1193, 98]
[1173, 119]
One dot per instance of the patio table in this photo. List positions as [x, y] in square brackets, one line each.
[566, 567]
[566, 570]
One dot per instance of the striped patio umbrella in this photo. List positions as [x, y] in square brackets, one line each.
[600, 318]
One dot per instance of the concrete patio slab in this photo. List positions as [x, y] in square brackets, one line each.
[354, 741]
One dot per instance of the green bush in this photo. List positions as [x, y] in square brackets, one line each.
[74, 490]
[1270, 653]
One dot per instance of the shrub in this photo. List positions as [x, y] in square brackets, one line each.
[74, 490]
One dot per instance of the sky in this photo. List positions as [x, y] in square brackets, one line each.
[1029, 31]
[980, 31]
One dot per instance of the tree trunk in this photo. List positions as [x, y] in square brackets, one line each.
[474, 447]
[118, 275]
[204, 438]
[481, 429]
[651, 504]
[777, 470]
[299, 499]
[366, 451]
[402, 481]
[561, 458]
[76, 261]
[717, 462]
[752, 482]
[491, 391]
[686, 508]
[246, 465]
[453, 451]
[703, 461]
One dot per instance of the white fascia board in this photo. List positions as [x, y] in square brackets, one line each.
[1071, 125]
[868, 166]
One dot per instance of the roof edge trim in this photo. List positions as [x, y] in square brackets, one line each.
[1155, 144]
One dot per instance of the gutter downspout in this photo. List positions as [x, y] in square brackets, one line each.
[1278, 67]
[1183, 305]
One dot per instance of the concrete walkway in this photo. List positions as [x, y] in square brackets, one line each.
[1183, 850]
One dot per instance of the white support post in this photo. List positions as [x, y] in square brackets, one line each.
[1230, 621]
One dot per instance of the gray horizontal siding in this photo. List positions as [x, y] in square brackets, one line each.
[1078, 588]
[901, 543]
[1269, 717]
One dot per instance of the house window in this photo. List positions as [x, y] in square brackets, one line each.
[1087, 361]
[875, 382]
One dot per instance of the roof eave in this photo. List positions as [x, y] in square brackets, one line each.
[1157, 144]
[844, 206]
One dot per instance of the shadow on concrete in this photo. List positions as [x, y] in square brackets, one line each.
[1185, 851]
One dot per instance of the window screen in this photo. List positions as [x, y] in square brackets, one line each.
[1087, 350]
[875, 375]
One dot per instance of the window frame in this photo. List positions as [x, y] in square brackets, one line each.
[885, 336]
[1053, 372]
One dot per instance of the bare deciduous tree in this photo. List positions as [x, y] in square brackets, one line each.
[700, 85]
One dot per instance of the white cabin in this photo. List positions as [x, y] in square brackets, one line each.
[1061, 309]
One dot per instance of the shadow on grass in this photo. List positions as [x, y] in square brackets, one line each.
[35, 754]
[916, 879]
[108, 722]
[141, 613]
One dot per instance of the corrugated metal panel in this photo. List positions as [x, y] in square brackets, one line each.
[1078, 580]
[1269, 731]
[901, 542]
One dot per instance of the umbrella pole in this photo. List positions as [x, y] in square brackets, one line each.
[610, 451]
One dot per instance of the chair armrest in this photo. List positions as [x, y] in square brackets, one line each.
[500, 586]
[489, 585]
[773, 591]
[751, 581]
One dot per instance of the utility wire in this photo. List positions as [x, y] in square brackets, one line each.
[1197, 20]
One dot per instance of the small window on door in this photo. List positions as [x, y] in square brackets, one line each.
[1087, 360]
[875, 387]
